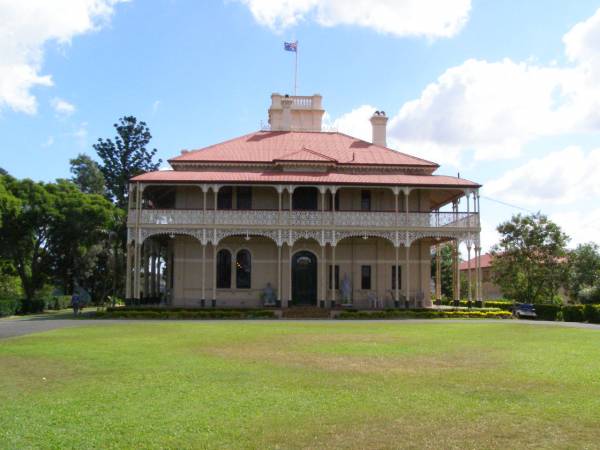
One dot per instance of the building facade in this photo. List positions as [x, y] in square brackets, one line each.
[294, 215]
[489, 289]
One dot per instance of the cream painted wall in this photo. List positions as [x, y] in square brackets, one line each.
[266, 197]
[351, 254]
[188, 197]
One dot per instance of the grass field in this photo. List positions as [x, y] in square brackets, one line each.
[302, 385]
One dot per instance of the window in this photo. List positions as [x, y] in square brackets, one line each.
[399, 268]
[224, 198]
[305, 198]
[337, 277]
[243, 270]
[244, 197]
[223, 269]
[365, 277]
[365, 200]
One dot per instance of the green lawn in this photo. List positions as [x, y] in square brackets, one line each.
[302, 385]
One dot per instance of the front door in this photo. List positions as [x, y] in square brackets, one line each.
[304, 278]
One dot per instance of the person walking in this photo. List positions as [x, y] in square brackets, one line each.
[76, 303]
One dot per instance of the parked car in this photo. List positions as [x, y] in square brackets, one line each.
[525, 311]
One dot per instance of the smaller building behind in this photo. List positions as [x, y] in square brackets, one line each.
[490, 290]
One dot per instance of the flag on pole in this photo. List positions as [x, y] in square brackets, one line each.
[290, 46]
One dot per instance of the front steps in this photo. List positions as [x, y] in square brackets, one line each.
[305, 312]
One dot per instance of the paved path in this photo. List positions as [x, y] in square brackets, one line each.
[18, 327]
[37, 324]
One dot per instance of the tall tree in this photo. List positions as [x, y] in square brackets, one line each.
[529, 261]
[80, 222]
[50, 230]
[24, 234]
[87, 175]
[446, 266]
[125, 157]
[3, 171]
[9, 204]
[584, 268]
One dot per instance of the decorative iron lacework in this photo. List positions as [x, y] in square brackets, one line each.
[247, 217]
[224, 233]
[196, 233]
[299, 219]
[323, 237]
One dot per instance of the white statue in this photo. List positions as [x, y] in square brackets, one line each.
[346, 289]
[269, 296]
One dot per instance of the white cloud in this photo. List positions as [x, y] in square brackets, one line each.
[489, 236]
[559, 177]
[155, 106]
[27, 26]
[62, 107]
[582, 42]
[49, 142]
[429, 18]
[355, 123]
[494, 108]
[580, 226]
[491, 108]
[80, 134]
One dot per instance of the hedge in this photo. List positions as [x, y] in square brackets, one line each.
[181, 313]
[573, 313]
[424, 314]
[505, 305]
[592, 313]
[58, 302]
[9, 306]
[546, 311]
[33, 306]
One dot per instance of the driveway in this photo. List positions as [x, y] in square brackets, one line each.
[12, 327]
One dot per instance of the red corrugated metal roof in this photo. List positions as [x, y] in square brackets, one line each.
[486, 261]
[186, 176]
[266, 146]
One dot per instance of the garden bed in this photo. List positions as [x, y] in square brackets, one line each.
[183, 313]
[426, 314]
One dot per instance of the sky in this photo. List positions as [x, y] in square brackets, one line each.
[505, 93]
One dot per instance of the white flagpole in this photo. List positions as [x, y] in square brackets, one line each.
[296, 71]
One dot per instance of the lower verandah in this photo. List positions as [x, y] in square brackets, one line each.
[237, 272]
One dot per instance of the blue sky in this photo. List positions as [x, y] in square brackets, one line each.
[498, 88]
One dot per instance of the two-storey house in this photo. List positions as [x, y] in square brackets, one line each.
[294, 215]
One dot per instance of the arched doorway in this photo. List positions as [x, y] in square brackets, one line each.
[304, 278]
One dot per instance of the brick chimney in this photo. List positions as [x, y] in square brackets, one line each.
[379, 124]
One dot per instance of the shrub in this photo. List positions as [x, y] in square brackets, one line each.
[589, 295]
[504, 305]
[546, 311]
[425, 314]
[591, 313]
[10, 287]
[58, 302]
[182, 313]
[9, 306]
[573, 313]
[33, 306]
